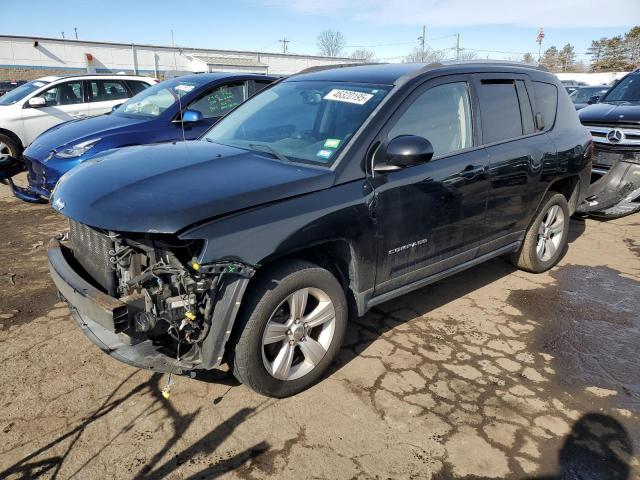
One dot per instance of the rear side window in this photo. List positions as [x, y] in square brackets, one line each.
[500, 111]
[136, 87]
[107, 90]
[546, 96]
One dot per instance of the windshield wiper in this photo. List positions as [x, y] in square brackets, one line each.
[270, 149]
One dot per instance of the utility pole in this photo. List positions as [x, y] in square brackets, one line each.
[63, 35]
[422, 40]
[285, 44]
[457, 46]
[75, 29]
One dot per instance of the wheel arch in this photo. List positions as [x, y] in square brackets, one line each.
[13, 137]
[568, 186]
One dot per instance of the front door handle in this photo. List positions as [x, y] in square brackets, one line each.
[471, 172]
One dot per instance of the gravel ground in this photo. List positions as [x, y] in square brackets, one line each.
[492, 373]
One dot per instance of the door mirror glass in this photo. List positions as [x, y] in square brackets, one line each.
[405, 151]
[594, 99]
[37, 102]
[191, 116]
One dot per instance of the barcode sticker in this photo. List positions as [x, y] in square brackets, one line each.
[348, 96]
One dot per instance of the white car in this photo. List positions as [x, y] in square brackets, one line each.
[36, 106]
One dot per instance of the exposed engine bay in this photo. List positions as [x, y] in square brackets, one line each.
[170, 298]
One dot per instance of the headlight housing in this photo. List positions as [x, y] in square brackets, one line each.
[78, 149]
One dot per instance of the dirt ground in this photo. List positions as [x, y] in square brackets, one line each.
[492, 373]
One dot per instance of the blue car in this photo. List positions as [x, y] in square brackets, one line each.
[157, 114]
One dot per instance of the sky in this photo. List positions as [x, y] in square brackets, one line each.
[499, 29]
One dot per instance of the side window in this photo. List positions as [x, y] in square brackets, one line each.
[257, 86]
[107, 90]
[442, 115]
[68, 93]
[136, 87]
[219, 101]
[546, 96]
[499, 110]
[525, 108]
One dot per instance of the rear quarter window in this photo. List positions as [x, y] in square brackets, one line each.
[499, 111]
[546, 97]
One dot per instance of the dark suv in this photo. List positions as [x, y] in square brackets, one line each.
[335, 188]
[614, 123]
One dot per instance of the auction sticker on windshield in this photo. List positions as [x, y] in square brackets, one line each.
[348, 96]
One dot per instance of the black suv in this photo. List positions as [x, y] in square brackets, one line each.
[331, 189]
[614, 123]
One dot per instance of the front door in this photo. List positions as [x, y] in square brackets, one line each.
[64, 101]
[429, 215]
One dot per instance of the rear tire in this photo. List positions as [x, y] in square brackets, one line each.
[546, 237]
[8, 146]
[291, 328]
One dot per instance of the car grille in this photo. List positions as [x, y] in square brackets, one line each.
[615, 135]
[91, 250]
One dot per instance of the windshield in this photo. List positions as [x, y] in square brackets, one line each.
[626, 91]
[582, 95]
[151, 102]
[22, 91]
[307, 121]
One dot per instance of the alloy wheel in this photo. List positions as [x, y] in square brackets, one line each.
[298, 334]
[550, 233]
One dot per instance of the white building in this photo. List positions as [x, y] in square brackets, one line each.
[24, 57]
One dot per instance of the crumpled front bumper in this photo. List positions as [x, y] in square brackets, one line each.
[11, 166]
[100, 316]
[618, 187]
[105, 320]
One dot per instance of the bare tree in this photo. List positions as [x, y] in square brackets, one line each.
[467, 55]
[528, 59]
[331, 43]
[417, 55]
[363, 54]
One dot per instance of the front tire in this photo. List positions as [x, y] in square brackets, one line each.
[8, 146]
[546, 237]
[291, 328]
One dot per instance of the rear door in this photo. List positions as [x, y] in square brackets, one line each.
[429, 216]
[104, 94]
[64, 101]
[516, 151]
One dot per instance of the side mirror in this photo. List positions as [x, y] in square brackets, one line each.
[191, 116]
[593, 99]
[405, 151]
[37, 102]
[115, 107]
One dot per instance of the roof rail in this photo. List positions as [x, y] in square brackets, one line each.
[500, 62]
[320, 68]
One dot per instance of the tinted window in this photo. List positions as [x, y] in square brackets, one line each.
[260, 86]
[68, 93]
[154, 100]
[107, 90]
[500, 111]
[442, 115]
[221, 100]
[136, 87]
[546, 96]
[626, 90]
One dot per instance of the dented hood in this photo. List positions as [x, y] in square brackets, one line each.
[165, 188]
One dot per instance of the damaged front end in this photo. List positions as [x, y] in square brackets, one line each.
[144, 299]
[615, 182]
[10, 167]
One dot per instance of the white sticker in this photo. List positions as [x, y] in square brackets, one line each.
[39, 84]
[348, 96]
[184, 88]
